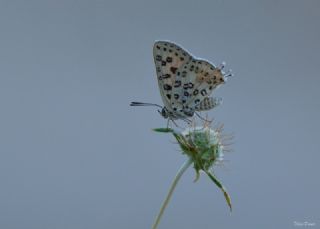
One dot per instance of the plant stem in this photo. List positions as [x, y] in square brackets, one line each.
[182, 169]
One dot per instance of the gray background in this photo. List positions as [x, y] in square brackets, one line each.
[73, 154]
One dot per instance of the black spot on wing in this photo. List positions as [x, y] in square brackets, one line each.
[204, 92]
[188, 86]
[166, 76]
[173, 70]
[196, 69]
[195, 92]
[177, 83]
[169, 59]
[167, 87]
[184, 74]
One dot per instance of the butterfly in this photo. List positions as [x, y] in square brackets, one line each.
[185, 82]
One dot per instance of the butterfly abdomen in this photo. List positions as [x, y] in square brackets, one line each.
[208, 103]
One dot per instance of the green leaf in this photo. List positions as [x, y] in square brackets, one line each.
[163, 130]
[218, 183]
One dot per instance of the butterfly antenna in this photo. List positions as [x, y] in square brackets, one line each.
[137, 104]
[222, 65]
[228, 74]
[183, 119]
[225, 74]
[173, 122]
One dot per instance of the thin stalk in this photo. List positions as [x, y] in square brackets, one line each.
[183, 168]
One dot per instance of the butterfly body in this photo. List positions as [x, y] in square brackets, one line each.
[185, 82]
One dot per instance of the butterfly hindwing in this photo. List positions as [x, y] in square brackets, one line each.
[208, 103]
[208, 77]
[198, 79]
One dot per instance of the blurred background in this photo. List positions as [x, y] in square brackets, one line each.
[73, 154]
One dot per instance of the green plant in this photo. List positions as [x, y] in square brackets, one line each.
[204, 148]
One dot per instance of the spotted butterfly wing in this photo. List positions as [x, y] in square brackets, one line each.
[185, 82]
[198, 78]
[194, 82]
[208, 103]
[169, 58]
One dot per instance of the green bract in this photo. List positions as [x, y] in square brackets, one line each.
[204, 147]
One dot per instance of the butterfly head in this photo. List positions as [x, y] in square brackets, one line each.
[164, 112]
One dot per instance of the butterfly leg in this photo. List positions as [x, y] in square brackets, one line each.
[174, 123]
[168, 123]
[199, 116]
[187, 121]
[202, 118]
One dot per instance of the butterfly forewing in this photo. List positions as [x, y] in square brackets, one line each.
[168, 58]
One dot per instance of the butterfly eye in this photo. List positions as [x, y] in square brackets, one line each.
[164, 113]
